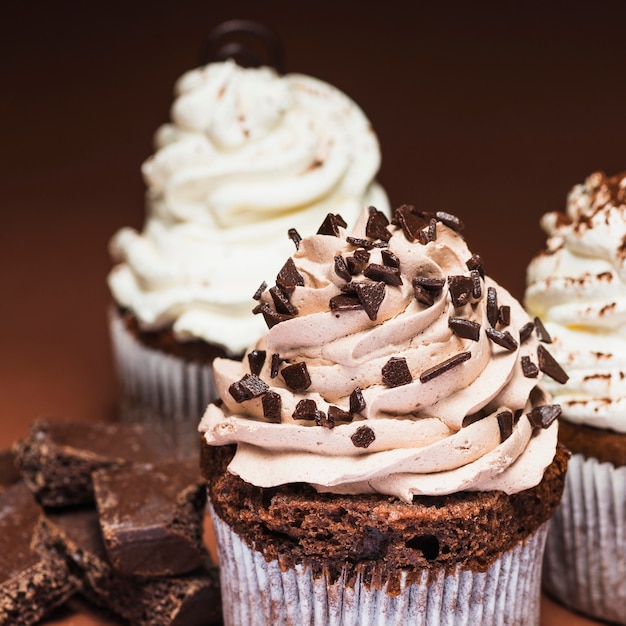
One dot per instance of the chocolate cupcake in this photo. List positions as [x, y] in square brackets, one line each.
[248, 155]
[386, 452]
[577, 288]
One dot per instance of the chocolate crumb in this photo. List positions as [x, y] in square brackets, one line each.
[504, 339]
[376, 227]
[542, 333]
[357, 401]
[477, 289]
[256, 360]
[492, 306]
[452, 221]
[388, 275]
[250, 386]
[259, 291]
[543, 416]
[529, 369]
[371, 296]
[548, 365]
[526, 331]
[363, 437]
[505, 422]
[296, 376]
[460, 288]
[272, 405]
[330, 225]
[504, 315]
[464, 328]
[270, 316]
[294, 235]
[396, 372]
[444, 366]
[341, 269]
[339, 415]
[390, 259]
[345, 302]
[289, 277]
[475, 262]
[306, 409]
[275, 364]
[281, 301]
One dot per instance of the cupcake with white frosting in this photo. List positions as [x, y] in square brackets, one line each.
[250, 160]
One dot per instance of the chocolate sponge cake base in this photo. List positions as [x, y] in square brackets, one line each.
[605, 445]
[375, 536]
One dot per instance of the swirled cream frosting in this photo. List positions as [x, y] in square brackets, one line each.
[577, 286]
[248, 155]
[392, 365]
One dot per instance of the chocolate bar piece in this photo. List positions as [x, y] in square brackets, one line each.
[189, 600]
[9, 474]
[31, 584]
[151, 517]
[57, 457]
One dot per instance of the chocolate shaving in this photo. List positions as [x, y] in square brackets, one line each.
[330, 225]
[504, 315]
[376, 227]
[452, 221]
[543, 416]
[410, 220]
[390, 259]
[433, 285]
[281, 301]
[548, 365]
[256, 360]
[259, 291]
[296, 376]
[270, 316]
[335, 414]
[357, 401]
[542, 333]
[272, 406]
[370, 296]
[477, 289]
[345, 302]
[431, 233]
[464, 328]
[306, 410]
[250, 386]
[396, 372]
[460, 288]
[289, 277]
[358, 242]
[294, 235]
[529, 369]
[505, 422]
[341, 269]
[474, 417]
[422, 295]
[275, 364]
[526, 331]
[444, 366]
[389, 275]
[475, 262]
[504, 339]
[363, 437]
[492, 306]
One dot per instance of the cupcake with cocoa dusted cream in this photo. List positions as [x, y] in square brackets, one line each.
[250, 159]
[577, 287]
[386, 452]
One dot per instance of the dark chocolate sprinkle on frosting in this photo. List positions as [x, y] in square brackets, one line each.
[390, 259]
[296, 376]
[450, 220]
[270, 316]
[548, 365]
[504, 339]
[388, 275]
[464, 328]
[474, 417]
[272, 406]
[396, 372]
[370, 296]
[504, 315]
[345, 302]
[475, 262]
[294, 235]
[542, 333]
[306, 409]
[376, 227]
[431, 233]
[281, 301]
[505, 423]
[275, 364]
[357, 401]
[543, 416]
[363, 437]
[529, 369]
[341, 269]
[331, 224]
[256, 360]
[250, 386]
[335, 414]
[444, 366]
[259, 292]
[477, 288]
[358, 242]
[289, 278]
[492, 306]
[526, 331]
[460, 288]
[410, 220]
[422, 295]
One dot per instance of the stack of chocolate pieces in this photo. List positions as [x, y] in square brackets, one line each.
[106, 511]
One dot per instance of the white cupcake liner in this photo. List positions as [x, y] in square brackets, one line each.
[159, 389]
[256, 592]
[585, 557]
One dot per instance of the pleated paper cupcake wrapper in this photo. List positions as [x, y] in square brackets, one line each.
[158, 389]
[585, 557]
[256, 592]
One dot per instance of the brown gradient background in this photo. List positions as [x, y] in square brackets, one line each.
[490, 110]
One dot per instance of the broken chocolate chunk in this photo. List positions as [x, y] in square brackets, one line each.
[259, 291]
[330, 225]
[296, 376]
[357, 262]
[464, 328]
[289, 278]
[492, 306]
[335, 414]
[359, 242]
[389, 258]
[505, 422]
[270, 316]
[256, 360]
[345, 302]
[542, 333]
[434, 285]
[475, 262]
[477, 289]
[548, 365]
[306, 409]
[384, 273]
[370, 296]
[529, 369]
[504, 315]
[275, 364]
[526, 331]
[410, 220]
[294, 235]
[357, 401]
[281, 302]
[543, 416]
[272, 405]
[341, 269]
[504, 339]
[444, 366]
[450, 220]
[474, 417]
[460, 288]
[248, 387]
[363, 437]
[423, 296]
[376, 227]
[396, 372]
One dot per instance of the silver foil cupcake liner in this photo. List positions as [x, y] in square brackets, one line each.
[159, 389]
[585, 556]
[256, 592]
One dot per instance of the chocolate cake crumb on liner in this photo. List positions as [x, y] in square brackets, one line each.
[160, 389]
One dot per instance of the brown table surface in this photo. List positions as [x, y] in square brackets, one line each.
[490, 110]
